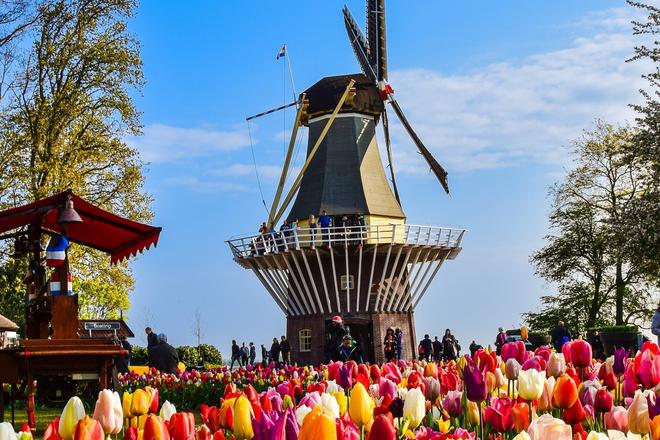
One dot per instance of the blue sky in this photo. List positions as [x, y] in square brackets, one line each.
[497, 90]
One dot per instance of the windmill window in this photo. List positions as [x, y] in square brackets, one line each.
[305, 339]
[347, 282]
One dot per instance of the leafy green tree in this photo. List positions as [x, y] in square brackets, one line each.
[63, 123]
[642, 219]
[588, 254]
[13, 291]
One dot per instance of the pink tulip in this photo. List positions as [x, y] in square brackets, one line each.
[581, 353]
[452, 403]
[566, 351]
[617, 419]
[108, 412]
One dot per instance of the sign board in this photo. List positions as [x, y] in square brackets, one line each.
[101, 326]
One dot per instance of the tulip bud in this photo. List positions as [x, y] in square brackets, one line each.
[638, 414]
[140, 402]
[73, 412]
[7, 431]
[243, 418]
[318, 426]
[414, 407]
[382, 429]
[88, 429]
[565, 393]
[512, 368]
[556, 364]
[531, 384]
[167, 410]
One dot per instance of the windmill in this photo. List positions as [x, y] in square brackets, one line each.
[370, 266]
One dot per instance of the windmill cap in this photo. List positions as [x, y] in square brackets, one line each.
[337, 319]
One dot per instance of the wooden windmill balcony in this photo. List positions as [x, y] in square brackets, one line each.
[357, 269]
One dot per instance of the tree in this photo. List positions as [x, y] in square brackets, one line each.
[64, 123]
[588, 254]
[643, 218]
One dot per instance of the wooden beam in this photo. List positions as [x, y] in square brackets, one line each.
[287, 162]
[312, 152]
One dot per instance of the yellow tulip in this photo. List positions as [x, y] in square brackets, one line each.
[531, 384]
[73, 412]
[140, 402]
[126, 401]
[318, 426]
[342, 401]
[444, 425]
[360, 405]
[243, 418]
[472, 412]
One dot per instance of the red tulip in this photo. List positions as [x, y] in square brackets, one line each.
[231, 391]
[131, 433]
[581, 354]
[203, 433]
[566, 351]
[382, 429]
[52, 430]
[182, 426]
[251, 393]
[153, 406]
[647, 368]
[374, 373]
[574, 414]
[603, 401]
[498, 415]
[218, 435]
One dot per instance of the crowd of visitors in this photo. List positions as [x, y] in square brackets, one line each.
[436, 350]
[244, 355]
[320, 229]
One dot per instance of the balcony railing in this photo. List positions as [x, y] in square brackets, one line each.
[295, 239]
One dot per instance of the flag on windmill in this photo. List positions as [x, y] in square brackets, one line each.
[55, 285]
[281, 52]
[56, 250]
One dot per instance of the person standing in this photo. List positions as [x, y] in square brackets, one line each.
[326, 222]
[437, 350]
[275, 351]
[500, 340]
[253, 353]
[389, 345]
[449, 346]
[123, 361]
[655, 325]
[285, 349]
[152, 338]
[427, 347]
[245, 354]
[235, 354]
[349, 351]
[560, 336]
[336, 332]
[398, 334]
[312, 230]
[163, 357]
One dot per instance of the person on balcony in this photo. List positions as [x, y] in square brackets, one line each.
[326, 223]
[312, 230]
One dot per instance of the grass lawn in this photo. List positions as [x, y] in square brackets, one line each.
[43, 416]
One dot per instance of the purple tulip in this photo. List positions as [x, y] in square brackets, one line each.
[262, 428]
[345, 377]
[475, 383]
[452, 403]
[387, 387]
[620, 356]
[654, 405]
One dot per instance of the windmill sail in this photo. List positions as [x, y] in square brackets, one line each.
[359, 45]
[437, 169]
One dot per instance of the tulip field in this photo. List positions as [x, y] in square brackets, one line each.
[540, 395]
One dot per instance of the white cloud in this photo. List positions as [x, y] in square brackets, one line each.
[165, 143]
[521, 111]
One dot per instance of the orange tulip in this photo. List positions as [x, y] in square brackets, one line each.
[88, 429]
[638, 414]
[565, 392]
[318, 426]
[431, 370]
[520, 415]
[154, 429]
[226, 414]
[654, 426]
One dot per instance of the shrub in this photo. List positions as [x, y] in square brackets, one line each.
[189, 355]
[616, 329]
[209, 354]
[139, 355]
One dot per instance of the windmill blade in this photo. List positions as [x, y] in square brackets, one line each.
[388, 147]
[372, 32]
[437, 169]
[359, 45]
[380, 45]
